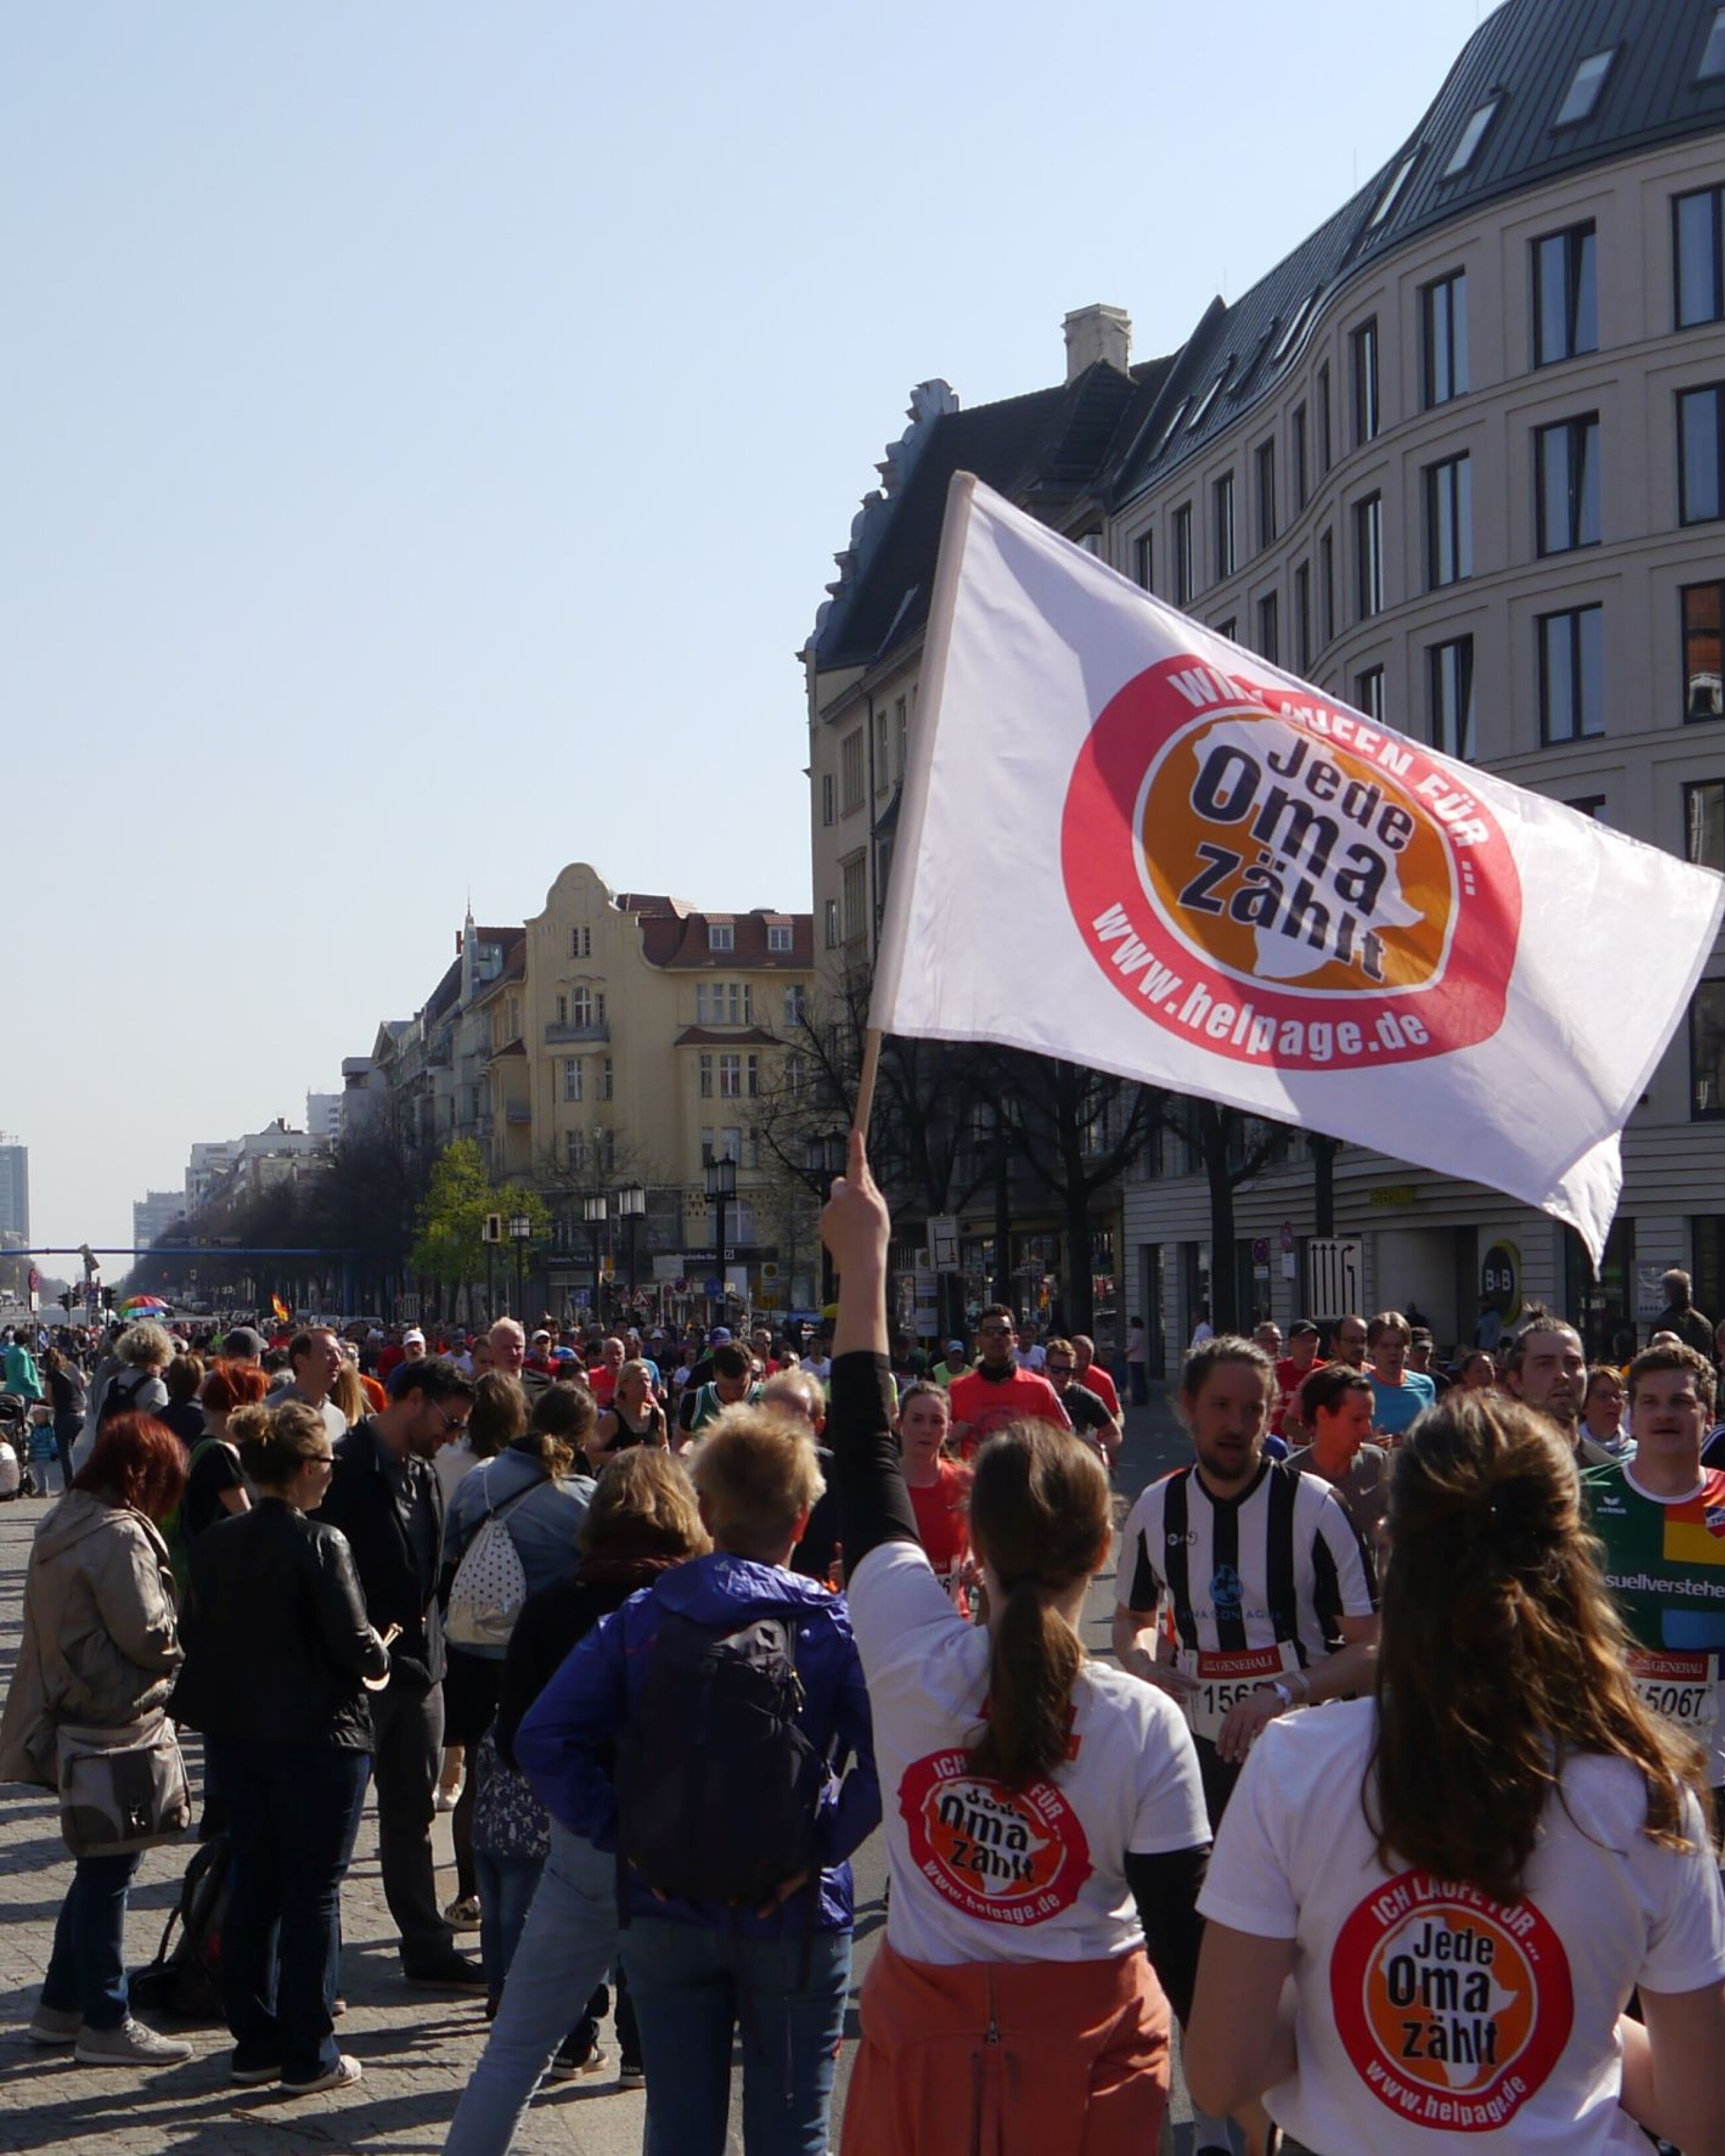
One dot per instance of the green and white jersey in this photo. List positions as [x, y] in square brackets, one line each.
[1664, 1564]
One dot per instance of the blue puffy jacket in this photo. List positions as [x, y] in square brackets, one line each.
[584, 1708]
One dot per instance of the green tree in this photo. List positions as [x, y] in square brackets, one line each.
[449, 1247]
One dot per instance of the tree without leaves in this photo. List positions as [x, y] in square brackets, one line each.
[1232, 1147]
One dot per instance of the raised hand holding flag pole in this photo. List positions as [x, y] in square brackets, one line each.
[1252, 893]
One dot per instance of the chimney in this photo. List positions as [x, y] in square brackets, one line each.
[1098, 332]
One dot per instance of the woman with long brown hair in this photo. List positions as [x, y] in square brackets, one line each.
[1048, 1821]
[1467, 1877]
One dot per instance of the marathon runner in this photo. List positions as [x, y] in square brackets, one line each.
[1399, 1394]
[1336, 1406]
[1291, 1373]
[998, 1392]
[1088, 1409]
[1545, 1367]
[1662, 1518]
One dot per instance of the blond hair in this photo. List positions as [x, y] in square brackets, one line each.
[757, 1474]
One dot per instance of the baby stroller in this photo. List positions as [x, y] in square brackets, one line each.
[15, 1436]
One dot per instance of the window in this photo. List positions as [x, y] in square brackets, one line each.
[1704, 823]
[1327, 589]
[1451, 682]
[1210, 395]
[1369, 556]
[1267, 494]
[1584, 87]
[730, 1077]
[1703, 608]
[1572, 673]
[1386, 200]
[752, 1075]
[1296, 455]
[1183, 555]
[1268, 631]
[1296, 322]
[851, 771]
[1362, 360]
[856, 909]
[575, 1149]
[707, 1143]
[1712, 57]
[580, 943]
[720, 936]
[1468, 143]
[1324, 456]
[1368, 692]
[1227, 628]
[901, 734]
[778, 936]
[827, 804]
[795, 1007]
[1565, 461]
[1224, 503]
[1144, 560]
[1303, 617]
[573, 1085]
[563, 1011]
[581, 1007]
[1706, 1052]
[1443, 307]
[1566, 295]
[883, 751]
[832, 924]
[1449, 522]
[1592, 806]
[795, 1075]
[1698, 256]
[722, 1003]
[1701, 440]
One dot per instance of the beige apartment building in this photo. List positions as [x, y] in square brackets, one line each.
[1459, 459]
[633, 1039]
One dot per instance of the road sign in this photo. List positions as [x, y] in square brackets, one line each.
[943, 1242]
[1260, 1251]
[1335, 1267]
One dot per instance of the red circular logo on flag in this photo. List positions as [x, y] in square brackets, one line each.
[1282, 882]
[1452, 2008]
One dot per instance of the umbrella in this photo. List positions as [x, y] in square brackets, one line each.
[141, 1306]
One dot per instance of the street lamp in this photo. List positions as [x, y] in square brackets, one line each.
[632, 1207]
[596, 1211]
[826, 1162]
[721, 1189]
[521, 1230]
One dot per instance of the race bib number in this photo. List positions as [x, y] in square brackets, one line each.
[1224, 1679]
[1683, 1687]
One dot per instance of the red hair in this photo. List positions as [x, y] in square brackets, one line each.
[231, 1385]
[139, 1461]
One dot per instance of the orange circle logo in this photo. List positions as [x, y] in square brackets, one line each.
[1283, 882]
[1010, 1856]
[1453, 2007]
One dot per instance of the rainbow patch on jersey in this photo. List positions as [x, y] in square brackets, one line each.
[1695, 1530]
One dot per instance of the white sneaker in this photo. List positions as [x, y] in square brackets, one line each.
[55, 2025]
[463, 1914]
[343, 2074]
[130, 2045]
[446, 1799]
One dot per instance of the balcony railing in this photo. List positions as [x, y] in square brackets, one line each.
[518, 1111]
[557, 1035]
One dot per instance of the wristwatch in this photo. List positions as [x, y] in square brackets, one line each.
[1284, 1695]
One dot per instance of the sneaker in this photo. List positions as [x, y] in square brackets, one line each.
[576, 2058]
[451, 1972]
[55, 2025]
[446, 1799]
[130, 2045]
[463, 1913]
[343, 2074]
[253, 2077]
[631, 2074]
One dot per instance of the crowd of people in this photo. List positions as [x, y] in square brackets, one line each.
[1396, 1810]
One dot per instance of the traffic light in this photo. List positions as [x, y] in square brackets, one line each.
[66, 1300]
[107, 1298]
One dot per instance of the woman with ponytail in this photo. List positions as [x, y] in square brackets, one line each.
[1049, 1821]
[1429, 1910]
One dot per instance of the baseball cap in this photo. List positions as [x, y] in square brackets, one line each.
[412, 1333]
[955, 1347]
[242, 1340]
[720, 1332]
[541, 1334]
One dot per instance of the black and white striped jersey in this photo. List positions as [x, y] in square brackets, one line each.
[1278, 1563]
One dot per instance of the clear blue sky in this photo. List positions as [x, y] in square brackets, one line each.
[429, 429]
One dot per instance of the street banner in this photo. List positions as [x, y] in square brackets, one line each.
[1129, 842]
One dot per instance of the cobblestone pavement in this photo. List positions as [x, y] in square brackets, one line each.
[416, 2050]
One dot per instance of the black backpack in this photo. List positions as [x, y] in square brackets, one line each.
[717, 1788]
[185, 1978]
[119, 1397]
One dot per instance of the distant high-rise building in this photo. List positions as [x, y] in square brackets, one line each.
[14, 1192]
[323, 1116]
[154, 1213]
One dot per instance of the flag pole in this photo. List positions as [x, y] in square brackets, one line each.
[865, 1080]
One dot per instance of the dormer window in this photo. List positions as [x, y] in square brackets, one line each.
[1467, 148]
[720, 936]
[778, 936]
[1713, 58]
[1386, 200]
[1584, 88]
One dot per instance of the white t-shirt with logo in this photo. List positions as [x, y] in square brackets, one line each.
[981, 1872]
[1429, 2016]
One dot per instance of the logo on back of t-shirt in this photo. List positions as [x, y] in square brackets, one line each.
[1453, 2007]
[1010, 1856]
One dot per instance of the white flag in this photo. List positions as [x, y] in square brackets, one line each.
[1130, 843]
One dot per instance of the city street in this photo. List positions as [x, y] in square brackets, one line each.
[417, 2049]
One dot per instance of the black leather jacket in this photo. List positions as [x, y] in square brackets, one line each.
[275, 1634]
[399, 1584]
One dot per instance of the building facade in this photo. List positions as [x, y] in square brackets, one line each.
[14, 1193]
[153, 1215]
